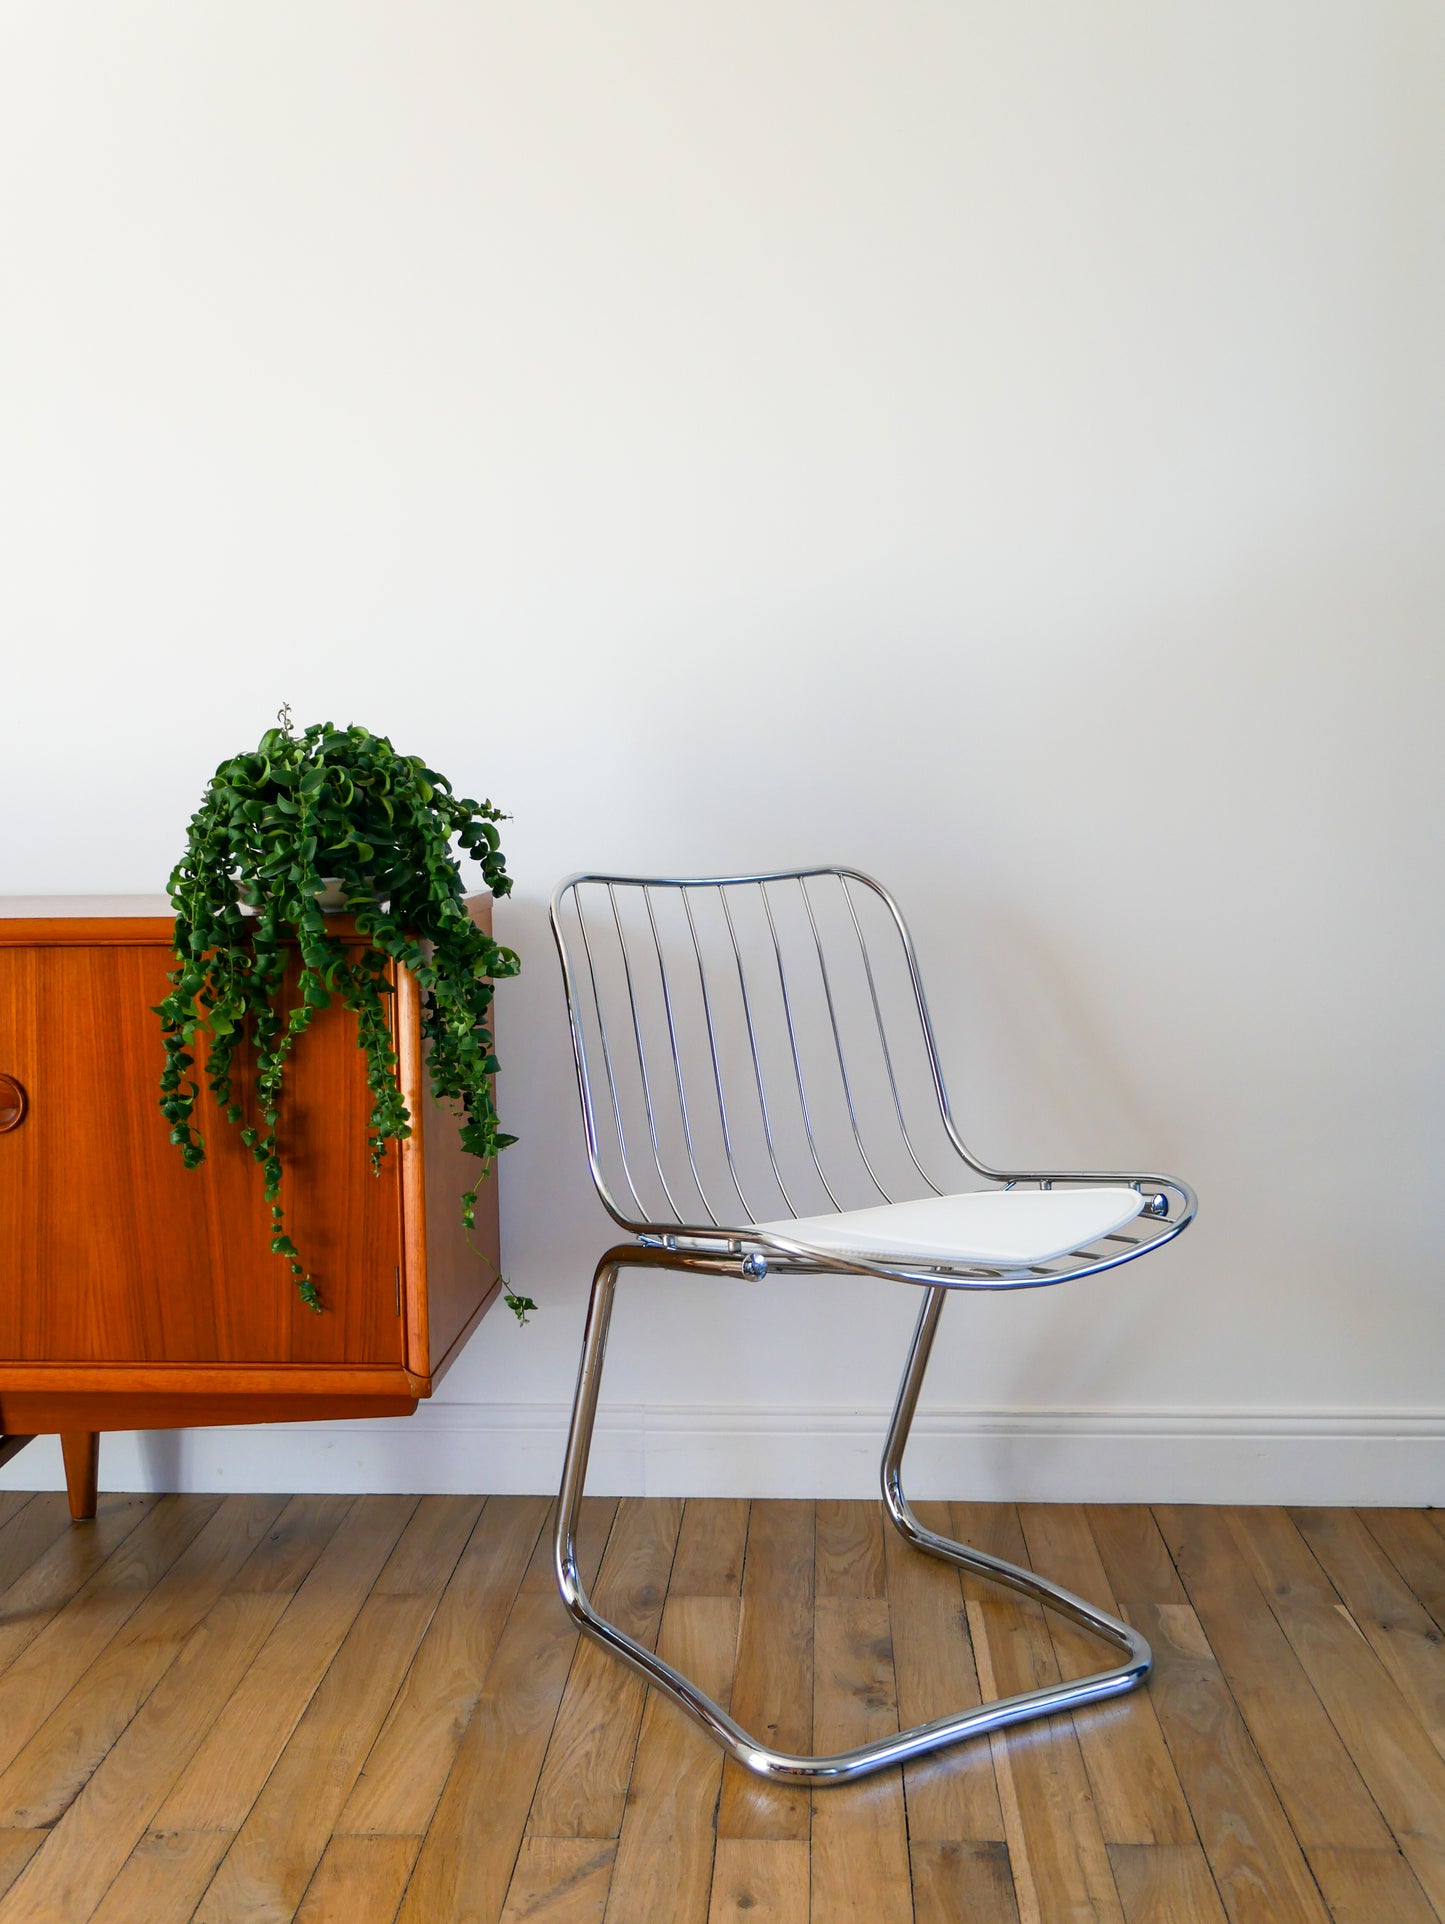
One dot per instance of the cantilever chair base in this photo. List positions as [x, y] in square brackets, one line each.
[756, 1756]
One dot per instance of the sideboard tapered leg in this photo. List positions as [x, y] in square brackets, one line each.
[81, 1450]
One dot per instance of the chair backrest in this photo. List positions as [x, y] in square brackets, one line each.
[751, 1048]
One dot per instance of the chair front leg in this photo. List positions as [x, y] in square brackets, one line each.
[579, 1436]
[713, 1718]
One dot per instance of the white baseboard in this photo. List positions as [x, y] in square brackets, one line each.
[1046, 1455]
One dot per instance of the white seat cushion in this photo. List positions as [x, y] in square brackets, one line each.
[1007, 1226]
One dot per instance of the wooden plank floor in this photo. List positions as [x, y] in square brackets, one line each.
[365, 1710]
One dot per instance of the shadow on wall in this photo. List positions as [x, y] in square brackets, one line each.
[162, 1454]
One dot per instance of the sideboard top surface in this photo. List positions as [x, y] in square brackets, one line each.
[45, 907]
[47, 921]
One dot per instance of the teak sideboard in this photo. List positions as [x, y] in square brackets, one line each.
[138, 1294]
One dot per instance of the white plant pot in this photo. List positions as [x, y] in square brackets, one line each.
[330, 898]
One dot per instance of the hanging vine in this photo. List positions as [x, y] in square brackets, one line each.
[274, 827]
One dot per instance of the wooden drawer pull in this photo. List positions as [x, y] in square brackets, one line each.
[13, 1103]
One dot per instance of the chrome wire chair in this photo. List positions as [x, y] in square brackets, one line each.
[761, 1090]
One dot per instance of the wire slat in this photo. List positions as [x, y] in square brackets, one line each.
[753, 1051]
[641, 1056]
[722, 1107]
[607, 1057]
[883, 1036]
[838, 1042]
[793, 1045]
[712, 1214]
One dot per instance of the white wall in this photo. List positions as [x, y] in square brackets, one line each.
[1000, 446]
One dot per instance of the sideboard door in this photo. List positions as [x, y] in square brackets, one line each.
[114, 1251]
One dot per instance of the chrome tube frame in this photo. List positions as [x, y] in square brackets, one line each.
[715, 1248]
[760, 1758]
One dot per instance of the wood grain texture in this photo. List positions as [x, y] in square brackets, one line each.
[860, 1834]
[298, 1676]
[80, 1452]
[583, 1787]
[848, 1549]
[222, 1781]
[122, 1254]
[1055, 1842]
[1258, 1868]
[951, 1796]
[1136, 1789]
[594, 1526]
[711, 1545]
[471, 1847]
[265, 1872]
[954, 1881]
[757, 1878]
[427, 1552]
[17, 1847]
[773, 1680]
[202, 1397]
[359, 1881]
[1322, 1791]
[1403, 1770]
[1415, 1544]
[1165, 1884]
[1371, 1887]
[1401, 1631]
[51, 1768]
[162, 1880]
[116, 1805]
[12, 1502]
[663, 1866]
[398, 1788]
[65, 929]
[33, 1528]
[51, 1562]
[560, 1880]
[664, 1849]
[124, 1260]
[65, 1647]
[463, 1270]
[101, 1827]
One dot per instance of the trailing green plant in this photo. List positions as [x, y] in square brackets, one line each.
[274, 827]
